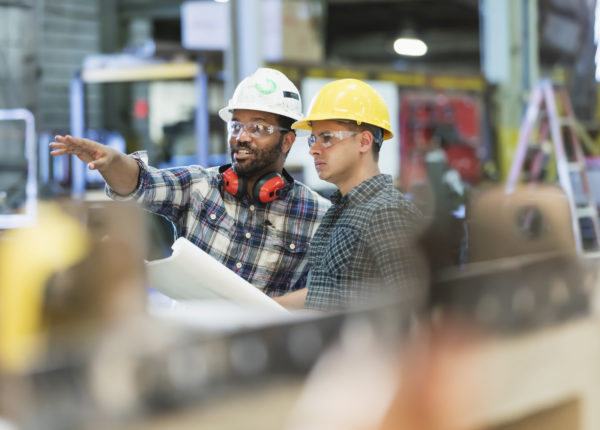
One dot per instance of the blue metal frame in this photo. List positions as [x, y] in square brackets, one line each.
[201, 118]
[77, 96]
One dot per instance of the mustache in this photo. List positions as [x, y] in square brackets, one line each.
[241, 145]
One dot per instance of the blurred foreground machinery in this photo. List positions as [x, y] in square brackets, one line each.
[102, 362]
[78, 349]
[523, 271]
[533, 249]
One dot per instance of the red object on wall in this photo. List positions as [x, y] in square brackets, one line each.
[463, 159]
[429, 120]
[140, 108]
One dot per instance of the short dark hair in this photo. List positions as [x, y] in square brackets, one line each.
[285, 122]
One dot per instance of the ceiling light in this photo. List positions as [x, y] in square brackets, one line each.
[410, 47]
[221, 1]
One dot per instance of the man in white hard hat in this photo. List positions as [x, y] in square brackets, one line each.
[365, 249]
[251, 215]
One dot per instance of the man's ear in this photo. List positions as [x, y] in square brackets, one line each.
[366, 141]
[288, 141]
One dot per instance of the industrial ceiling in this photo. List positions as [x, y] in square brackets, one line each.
[362, 32]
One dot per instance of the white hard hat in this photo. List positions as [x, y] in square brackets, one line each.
[266, 90]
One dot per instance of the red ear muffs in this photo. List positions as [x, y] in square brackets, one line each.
[266, 189]
[233, 183]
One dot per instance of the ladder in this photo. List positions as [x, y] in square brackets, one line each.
[549, 111]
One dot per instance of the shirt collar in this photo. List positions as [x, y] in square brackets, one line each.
[363, 191]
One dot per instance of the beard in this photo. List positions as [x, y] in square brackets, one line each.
[263, 159]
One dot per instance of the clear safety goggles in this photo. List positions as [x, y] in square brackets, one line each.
[254, 129]
[330, 138]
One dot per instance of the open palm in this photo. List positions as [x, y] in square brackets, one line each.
[85, 149]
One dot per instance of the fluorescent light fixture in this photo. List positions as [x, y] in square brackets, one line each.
[410, 47]
[221, 1]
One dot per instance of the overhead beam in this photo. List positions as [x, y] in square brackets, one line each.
[150, 9]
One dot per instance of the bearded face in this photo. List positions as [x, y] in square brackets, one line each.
[255, 154]
[252, 158]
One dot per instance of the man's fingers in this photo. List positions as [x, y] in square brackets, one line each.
[69, 140]
[86, 150]
[62, 139]
[69, 145]
[58, 148]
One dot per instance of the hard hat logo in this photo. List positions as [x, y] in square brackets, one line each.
[266, 90]
[270, 90]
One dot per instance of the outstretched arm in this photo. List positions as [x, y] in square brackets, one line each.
[118, 170]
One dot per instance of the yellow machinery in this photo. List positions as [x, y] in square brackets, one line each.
[28, 259]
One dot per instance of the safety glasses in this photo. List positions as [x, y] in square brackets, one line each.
[254, 129]
[330, 138]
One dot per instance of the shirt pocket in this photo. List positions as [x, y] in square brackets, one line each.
[216, 228]
[282, 256]
[340, 248]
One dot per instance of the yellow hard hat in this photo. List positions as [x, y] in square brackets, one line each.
[349, 99]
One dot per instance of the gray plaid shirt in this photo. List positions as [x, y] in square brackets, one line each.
[365, 247]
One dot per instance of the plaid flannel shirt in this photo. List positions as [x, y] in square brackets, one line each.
[266, 244]
[365, 248]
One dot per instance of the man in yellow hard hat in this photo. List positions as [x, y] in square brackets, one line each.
[250, 215]
[365, 248]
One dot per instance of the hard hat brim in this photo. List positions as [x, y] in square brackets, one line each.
[305, 124]
[227, 112]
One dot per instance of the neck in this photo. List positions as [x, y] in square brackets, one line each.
[358, 176]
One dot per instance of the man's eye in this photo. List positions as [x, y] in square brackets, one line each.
[261, 128]
[326, 137]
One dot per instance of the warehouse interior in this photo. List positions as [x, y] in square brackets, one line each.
[496, 140]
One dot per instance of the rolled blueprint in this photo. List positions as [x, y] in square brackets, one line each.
[190, 273]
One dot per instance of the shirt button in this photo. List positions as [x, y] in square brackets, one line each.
[238, 265]
[213, 216]
[248, 235]
[292, 246]
[252, 208]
